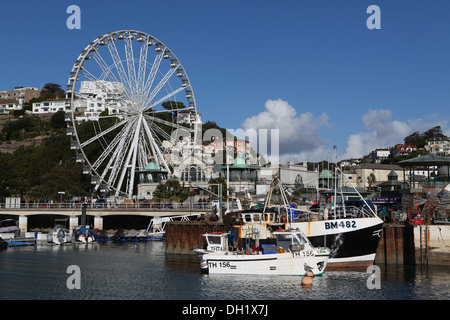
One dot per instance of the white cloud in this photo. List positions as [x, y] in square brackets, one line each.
[298, 134]
[384, 132]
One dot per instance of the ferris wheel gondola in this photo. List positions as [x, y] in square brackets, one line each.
[125, 94]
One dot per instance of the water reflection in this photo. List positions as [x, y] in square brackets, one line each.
[145, 271]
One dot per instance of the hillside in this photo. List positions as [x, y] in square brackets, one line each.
[37, 161]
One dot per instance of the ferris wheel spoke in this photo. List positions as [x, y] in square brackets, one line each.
[154, 147]
[119, 66]
[151, 77]
[152, 144]
[118, 156]
[141, 70]
[164, 98]
[129, 54]
[101, 134]
[131, 154]
[111, 146]
[107, 71]
[170, 110]
[159, 86]
[168, 123]
[109, 166]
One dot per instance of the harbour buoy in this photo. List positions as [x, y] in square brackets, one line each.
[307, 281]
[310, 274]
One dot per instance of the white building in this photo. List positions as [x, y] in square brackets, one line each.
[94, 98]
[6, 105]
[98, 96]
[379, 155]
[48, 106]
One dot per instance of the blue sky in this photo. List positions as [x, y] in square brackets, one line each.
[310, 68]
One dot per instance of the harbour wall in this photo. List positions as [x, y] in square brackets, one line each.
[183, 236]
[414, 245]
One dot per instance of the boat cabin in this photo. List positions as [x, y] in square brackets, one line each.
[291, 240]
[217, 241]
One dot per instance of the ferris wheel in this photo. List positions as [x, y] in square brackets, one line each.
[129, 104]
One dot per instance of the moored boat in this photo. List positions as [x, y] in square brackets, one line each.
[9, 228]
[59, 235]
[292, 254]
[352, 233]
[85, 235]
[119, 236]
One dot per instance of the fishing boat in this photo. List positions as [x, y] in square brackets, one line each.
[292, 254]
[59, 235]
[351, 232]
[350, 228]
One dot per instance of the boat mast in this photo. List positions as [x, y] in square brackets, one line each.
[335, 182]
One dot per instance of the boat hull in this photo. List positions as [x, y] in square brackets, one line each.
[353, 242]
[288, 263]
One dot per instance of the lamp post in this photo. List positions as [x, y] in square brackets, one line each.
[60, 197]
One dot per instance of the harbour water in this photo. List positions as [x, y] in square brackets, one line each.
[143, 271]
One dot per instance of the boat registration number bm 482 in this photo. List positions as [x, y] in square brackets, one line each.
[349, 224]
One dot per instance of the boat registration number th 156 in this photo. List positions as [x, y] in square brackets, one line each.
[304, 253]
[222, 264]
[349, 224]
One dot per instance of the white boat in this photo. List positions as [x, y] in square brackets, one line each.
[351, 233]
[59, 235]
[292, 254]
[85, 235]
[9, 228]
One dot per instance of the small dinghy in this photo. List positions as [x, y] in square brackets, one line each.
[119, 236]
[86, 235]
[101, 236]
[131, 235]
[59, 235]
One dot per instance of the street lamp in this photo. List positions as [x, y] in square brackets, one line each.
[60, 197]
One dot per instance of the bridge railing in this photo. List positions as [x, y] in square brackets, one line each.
[137, 205]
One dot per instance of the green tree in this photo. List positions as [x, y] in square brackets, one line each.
[58, 120]
[371, 179]
[52, 91]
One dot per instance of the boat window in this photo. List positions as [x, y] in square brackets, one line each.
[301, 238]
[256, 217]
[284, 240]
[213, 240]
[248, 218]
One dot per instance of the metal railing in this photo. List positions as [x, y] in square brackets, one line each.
[137, 205]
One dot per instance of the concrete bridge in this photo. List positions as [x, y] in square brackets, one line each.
[74, 213]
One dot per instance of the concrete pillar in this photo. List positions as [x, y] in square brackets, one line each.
[98, 223]
[23, 224]
[73, 222]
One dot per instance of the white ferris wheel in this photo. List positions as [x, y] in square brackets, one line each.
[129, 103]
